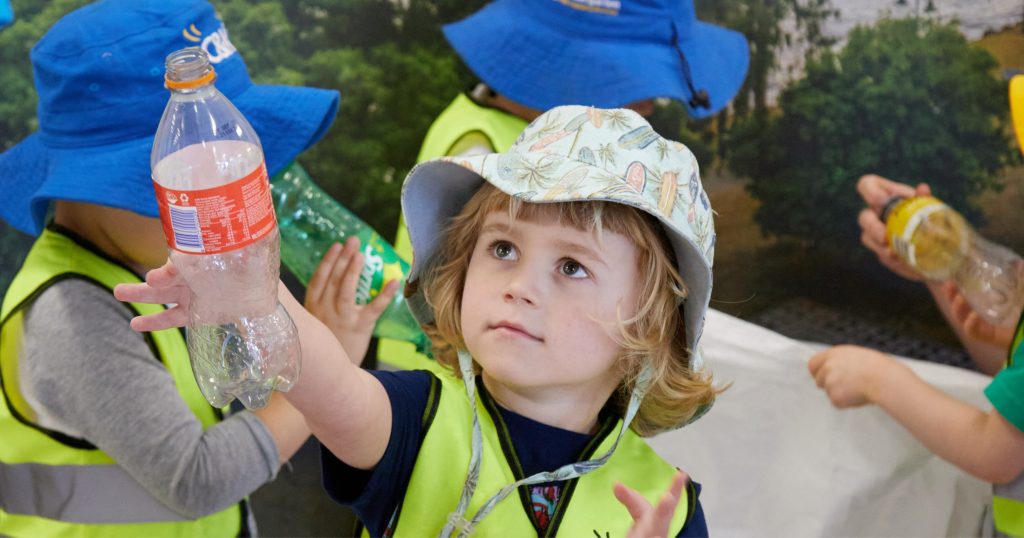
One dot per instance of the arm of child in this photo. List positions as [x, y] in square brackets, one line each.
[331, 297]
[344, 406]
[286, 425]
[648, 521]
[876, 191]
[982, 444]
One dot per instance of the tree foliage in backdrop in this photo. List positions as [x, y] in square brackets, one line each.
[909, 99]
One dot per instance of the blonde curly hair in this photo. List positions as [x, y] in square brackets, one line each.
[656, 333]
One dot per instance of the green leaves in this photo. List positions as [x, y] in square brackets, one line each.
[908, 99]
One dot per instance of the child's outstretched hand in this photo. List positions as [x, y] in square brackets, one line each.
[648, 521]
[164, 285]
[331, 297]
[850, 374]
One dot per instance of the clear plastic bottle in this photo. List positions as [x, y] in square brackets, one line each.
[214, 196]
[935, 240]
[311, 221]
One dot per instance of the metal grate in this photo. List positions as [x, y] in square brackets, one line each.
[806, 320]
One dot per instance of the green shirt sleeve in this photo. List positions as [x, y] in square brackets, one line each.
[1006, 392]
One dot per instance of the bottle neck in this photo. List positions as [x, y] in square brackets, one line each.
[188, 69]
[889, 205]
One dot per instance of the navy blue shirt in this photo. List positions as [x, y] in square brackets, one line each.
[375, 494]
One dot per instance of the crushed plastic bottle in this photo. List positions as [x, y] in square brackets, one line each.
[311, 221]
[938, 242]
[214, 198]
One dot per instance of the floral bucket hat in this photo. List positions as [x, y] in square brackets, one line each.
[574, 153]
[569, 154]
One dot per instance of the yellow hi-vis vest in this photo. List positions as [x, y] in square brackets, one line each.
[1008, 499]
[587, 506]
[462, 117]
[55, 485]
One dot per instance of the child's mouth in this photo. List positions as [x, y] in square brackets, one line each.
[514, 329]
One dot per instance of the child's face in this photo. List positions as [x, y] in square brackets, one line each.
[540, 304]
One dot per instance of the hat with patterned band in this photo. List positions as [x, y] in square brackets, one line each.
[569, 154]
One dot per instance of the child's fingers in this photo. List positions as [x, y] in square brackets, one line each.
[382, 300]
[949, 290]
[173, 317]
[165, 276]
[346, 293]
[337, 280]
[872, 231]
[147, 293]
[664, 511]
[816, 361]
[923, 189]
[322, 275]
[635, 503]
[960, 309]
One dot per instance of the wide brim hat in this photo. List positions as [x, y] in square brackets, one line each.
[572, 154]
[101, 96]
[602, 53]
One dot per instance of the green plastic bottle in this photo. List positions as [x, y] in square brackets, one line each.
[311, 221]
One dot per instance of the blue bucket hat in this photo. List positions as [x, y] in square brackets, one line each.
[602, 53]
[99, 75]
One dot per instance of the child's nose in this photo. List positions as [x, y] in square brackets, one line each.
[522, 288]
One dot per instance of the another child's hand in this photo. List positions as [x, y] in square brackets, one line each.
[972, 324]
[164, 285]
[849, 374]
[876, 191]
[648, 521]
[331, 297]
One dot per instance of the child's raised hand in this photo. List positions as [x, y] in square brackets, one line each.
[972, 323]
[648, 521]
[164, 285]
[876, 192]
[331, 297]
[849, 374]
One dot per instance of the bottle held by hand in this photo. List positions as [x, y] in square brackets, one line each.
[938, 242]
[214, 197]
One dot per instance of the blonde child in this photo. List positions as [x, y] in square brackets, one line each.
[565, 282]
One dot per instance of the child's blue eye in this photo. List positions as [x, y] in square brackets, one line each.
[503, 250]
[573, 269]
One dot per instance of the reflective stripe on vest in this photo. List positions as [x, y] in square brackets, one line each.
[52, 484]
[1008, 499]
[462, 117]
[587, 505]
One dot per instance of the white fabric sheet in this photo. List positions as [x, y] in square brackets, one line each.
[776, 459]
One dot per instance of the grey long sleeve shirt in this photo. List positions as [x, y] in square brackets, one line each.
[89, 375]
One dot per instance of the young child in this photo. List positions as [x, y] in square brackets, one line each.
[641, 57]
[103, 431]
[565, 282]
[988, 445]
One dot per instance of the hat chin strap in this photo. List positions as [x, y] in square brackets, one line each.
[698, 98]
[457, 522]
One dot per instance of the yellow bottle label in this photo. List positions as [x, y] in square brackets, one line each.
[928, 235]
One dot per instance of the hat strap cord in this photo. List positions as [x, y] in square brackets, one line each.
[698, 98]
[456, 520]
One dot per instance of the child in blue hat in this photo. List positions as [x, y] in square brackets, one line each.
[532, 55]
[564, 286]
[104, 431]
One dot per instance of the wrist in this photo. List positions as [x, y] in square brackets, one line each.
[885, 375]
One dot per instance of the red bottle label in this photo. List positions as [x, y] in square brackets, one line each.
[221, 219]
